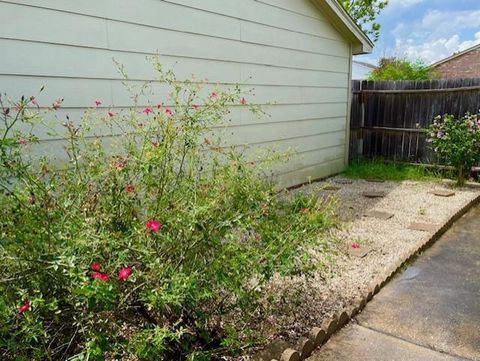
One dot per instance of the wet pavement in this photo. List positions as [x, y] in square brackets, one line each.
[431, 311]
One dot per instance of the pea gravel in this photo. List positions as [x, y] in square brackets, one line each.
[301, 303]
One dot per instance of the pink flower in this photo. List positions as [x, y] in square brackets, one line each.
[57, 104]
[25, 307]
[168, 111]
[23, 141]
[111, 114]
[98, 102]
[148, 110]
[130, 188]
[195, 106]
[101, 276]
[153, 225]
[96, 266]
[214, 95]
[33, 101]
[159, 105]
[243, 101]
[125, 273]
[120, 163]
[355, 245]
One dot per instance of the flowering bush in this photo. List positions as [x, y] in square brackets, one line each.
[456, 142]
[153, 241]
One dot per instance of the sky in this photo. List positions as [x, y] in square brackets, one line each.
[429, 30]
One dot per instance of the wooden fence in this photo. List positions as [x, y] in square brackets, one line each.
[388, 117]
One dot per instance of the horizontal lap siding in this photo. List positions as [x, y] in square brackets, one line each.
[295, 62]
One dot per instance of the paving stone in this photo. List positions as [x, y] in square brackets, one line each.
[379, 214]
[331, 187]
[343, 181]
[374, 194]
[375, 180]
[424, 227]
[443, 193]
[359, 252]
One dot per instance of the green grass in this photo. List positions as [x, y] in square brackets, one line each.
[381, 170]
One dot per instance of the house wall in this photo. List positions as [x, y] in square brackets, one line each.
[463, 66]
[360, 71]
[286, 50]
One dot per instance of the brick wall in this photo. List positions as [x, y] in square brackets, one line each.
[463, 66]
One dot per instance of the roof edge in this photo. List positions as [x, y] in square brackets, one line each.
[455, 55]
[345, 25]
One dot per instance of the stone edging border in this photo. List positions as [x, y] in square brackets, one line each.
[318, 336]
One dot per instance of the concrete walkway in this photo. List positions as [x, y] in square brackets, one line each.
[430, 312]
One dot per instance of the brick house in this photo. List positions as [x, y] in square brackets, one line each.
[464, 64]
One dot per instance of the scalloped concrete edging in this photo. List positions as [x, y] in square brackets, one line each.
[318, 336]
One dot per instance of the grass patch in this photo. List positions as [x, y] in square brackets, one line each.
[381, 170]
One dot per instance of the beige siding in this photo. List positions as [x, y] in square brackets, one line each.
[286, 50]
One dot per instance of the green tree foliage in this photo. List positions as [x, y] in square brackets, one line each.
[401, 69]
[364, 12]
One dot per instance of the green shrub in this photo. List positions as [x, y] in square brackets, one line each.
[402, 69]
[456, 142]
[153, 242]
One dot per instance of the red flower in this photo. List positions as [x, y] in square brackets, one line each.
[214, 95]
[101, 276]
[243, 101]
[125, 273]
[159, 105]
[355, 245]
[95, 266]
[168, 111]
[98, 102]
[111, 114]
[153, 225]
[148, 110]
[25, 307]
[130, 188]
[23, 141]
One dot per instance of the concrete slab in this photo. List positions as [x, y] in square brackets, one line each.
[357, 343]
[435, 303]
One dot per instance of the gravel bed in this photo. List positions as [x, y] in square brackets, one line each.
[301, 303]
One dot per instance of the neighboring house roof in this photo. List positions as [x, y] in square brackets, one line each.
[366, 65]
[456, 55]
[345, 25]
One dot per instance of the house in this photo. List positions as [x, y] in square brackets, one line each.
[464, 64]
[361, 70]
[297, 54]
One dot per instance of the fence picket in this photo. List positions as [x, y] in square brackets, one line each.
[384, 115]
